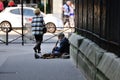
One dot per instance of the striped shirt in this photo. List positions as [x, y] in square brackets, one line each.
[37, 25]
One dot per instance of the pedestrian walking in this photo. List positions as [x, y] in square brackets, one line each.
[1, 6]
[72, 14]
[38, 26]
[66, 12]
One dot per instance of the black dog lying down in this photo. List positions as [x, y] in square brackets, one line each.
[50, 56]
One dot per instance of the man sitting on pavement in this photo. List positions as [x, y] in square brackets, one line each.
[61, 47]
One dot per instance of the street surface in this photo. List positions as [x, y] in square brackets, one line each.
[17, 62]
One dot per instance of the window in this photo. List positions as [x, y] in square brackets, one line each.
[15, 11]
[28, 12]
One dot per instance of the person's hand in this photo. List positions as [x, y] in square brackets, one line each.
[54, 48]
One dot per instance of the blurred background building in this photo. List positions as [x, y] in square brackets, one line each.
[53, 7]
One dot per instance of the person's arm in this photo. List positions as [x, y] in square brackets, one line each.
[55, 45]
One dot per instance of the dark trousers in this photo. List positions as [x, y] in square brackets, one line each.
[38, 39]
[66, 20]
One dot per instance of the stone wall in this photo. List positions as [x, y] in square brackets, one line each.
[93, 61]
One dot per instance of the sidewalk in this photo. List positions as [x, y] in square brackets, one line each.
[17, 62]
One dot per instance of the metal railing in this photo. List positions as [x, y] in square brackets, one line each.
[6, 39]
[23, 37]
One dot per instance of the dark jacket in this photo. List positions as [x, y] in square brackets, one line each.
[64, 46]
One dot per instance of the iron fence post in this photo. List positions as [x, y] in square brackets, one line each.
[6, 36]
[22, 22]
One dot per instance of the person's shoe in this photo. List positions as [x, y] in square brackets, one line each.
[35, 50]
[36, 56]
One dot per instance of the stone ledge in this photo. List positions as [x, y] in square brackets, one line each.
[75, 39]
[91, 51]
[105, 62]
[84, 44]
[113, 72]
[95, 62]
